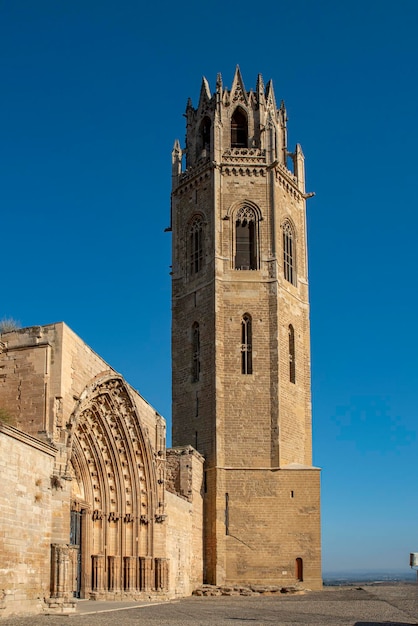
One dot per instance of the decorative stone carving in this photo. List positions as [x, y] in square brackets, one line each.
[97, 572]
[60, 570]
[145, 573]
[161, 574]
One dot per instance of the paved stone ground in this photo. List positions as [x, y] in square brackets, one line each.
[379, 605]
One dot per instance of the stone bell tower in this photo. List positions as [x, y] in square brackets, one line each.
[240, 336]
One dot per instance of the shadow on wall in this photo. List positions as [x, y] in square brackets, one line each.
[385, 623]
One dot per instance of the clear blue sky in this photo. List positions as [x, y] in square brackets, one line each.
[93, 96]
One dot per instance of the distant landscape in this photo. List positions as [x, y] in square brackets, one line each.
[338, 578]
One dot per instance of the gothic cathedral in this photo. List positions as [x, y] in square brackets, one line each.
[92, 503]
[240, 336]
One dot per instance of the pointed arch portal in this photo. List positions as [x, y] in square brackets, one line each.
[117, 495]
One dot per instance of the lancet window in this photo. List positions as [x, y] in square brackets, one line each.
[196, 245]
[239, 129]
[289, 253]
[246, 226]
[203, 139]
[246, 345]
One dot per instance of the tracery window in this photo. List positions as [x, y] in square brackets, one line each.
[246, 345]
[292, 356]
[239, 129]
[246, 239]
[289, 253]
[195, 352]
[196, 245]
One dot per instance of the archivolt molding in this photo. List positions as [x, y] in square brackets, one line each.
[111, 456]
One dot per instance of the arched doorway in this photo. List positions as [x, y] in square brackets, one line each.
[117, 494]
[299, 569]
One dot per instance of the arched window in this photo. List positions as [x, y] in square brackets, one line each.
[246, 239]
[289, 253]
[195, 352]
[203, 139]
[246, 345]
[239, 129]
[292, 356]
[196, 245]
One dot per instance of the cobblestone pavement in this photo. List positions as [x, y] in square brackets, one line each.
[393, 605]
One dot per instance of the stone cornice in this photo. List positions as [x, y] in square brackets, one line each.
[193, 172]
[19, 435]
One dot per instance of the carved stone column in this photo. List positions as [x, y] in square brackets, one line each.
[97, 568]
[60, 568]
[113, 568]
[161, 574]
[146, 581]
[129, 573]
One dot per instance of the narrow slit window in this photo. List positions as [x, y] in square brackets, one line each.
[289, 254]
[227, 514]
[196, 245]
[292, 356]
[195, 352]
[246, 347]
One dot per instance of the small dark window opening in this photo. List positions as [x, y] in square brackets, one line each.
[246, 347]
[204, 138]
[227, 514]
[195, 352]
[292, 356]
[239, 130]
[196, 245]
[289, 265]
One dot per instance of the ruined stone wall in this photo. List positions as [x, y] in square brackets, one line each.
[26, 467]
[184, 519]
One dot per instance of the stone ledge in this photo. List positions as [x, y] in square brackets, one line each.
[59, 606]
[250, 590]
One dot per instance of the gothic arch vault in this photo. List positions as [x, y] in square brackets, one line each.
[117, 500]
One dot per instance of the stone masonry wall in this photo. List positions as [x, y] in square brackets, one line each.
[26, 467]
[184, 520]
